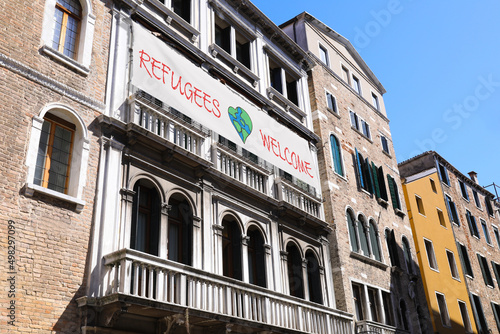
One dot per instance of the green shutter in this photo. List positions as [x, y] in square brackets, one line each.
[360, 169]
[375, 180]
[369, 177]
[383, 189]
[393, 191]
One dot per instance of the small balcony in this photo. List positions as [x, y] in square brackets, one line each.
[369, 327]
[292, 194]
[172, 288]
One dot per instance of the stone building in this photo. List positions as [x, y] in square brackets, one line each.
[375, 272]
[53, 64]
[208, 212]
[473, 213]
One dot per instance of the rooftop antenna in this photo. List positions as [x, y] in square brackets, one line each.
[495, 187]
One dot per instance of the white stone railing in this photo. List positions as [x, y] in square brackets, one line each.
[133, 273]
[367, 326]
[167, 127]
[240, 169]
[293, 195]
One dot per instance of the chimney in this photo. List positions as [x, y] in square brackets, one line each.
[473, 176]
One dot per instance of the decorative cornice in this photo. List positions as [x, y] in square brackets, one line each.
[42, 79]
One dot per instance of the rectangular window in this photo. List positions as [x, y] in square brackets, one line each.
[345, 75]
[374, 305]
[358, 301]
[471, 220]
[354, 120]
[497, 236]
[496, 270]
[420, 205]
[453, 264]
[356, 85]
[226, 36]
[431, 257]
[365, 128]
[464, 257]
[385, 144]
[452, 209]
[465, 316]
[375, 101]
[183, 9]
[496, 312]
[476, 198]
[388, 310]
[477, 308]
[443, 310]
[443, 174]
[463, 189]
[331, 102]
[489, 207]
[323, 55]
[433, 186]
[441, 218]
[283, 81]
[364, 172]
[485, 231]
[485, 269]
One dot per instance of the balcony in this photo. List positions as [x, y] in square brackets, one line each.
[292, 194]
[367, 326]
[168, 286]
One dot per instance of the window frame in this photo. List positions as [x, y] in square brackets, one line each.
[465, 260]
[485, 231]
[420, 205]
[471, 220]
[452, 210]
[496, 233]
[452, 264]
[231, 49]
[324, 51]
[443, 173]
[385, 144]
[336, 151]
[443, 310]
[331, 100]
[485, 270]
[463, 190]
[356, 84]
[431, 255]
[464, 312]
[375, 101]
[476, 199]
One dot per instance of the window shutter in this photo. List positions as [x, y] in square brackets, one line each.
[369, 178]
[383, 189]
[375, 180]
[483, 269]
[360, 169]
[394, 192]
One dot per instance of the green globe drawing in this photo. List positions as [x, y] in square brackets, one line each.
[241, 122]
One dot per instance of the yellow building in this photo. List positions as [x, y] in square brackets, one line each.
[437, 254]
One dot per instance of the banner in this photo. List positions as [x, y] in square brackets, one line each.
[164, 73]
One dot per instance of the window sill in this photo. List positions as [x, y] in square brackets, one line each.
[382, 202]
[216, 50]
[274, 95]
[172, 16]
[369, 260]
[30, 189]
[336, 114]
[65, 60]
[387, 153]
[362, 134]
[400, 213]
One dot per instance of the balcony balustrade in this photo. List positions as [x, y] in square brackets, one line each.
[132, 273]
[293, 195]
[367, 326]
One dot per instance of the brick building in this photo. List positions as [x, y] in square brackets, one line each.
[474, 220]
[375, 272]
[53, 64]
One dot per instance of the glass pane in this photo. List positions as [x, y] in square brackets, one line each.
[58, 18]
[42, 153]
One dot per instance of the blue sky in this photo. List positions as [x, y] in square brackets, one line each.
[440, 64]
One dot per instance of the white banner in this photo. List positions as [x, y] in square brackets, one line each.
[162, 72]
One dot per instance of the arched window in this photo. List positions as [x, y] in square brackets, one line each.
[67, 19]
[295, 278]
[180, 230]
[374, 241]
[407, 254]
[256, 257]
[337, 155]
[353, 233]
[145, 218]
[314, 278]
[363, 235]
[231, 248]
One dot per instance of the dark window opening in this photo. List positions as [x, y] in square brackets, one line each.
[180, 230]
[231, 248]
[256, 258]
[295, 278]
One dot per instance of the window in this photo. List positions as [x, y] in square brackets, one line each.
[379, 183]
[58, 154]
[477, 308]
[433, 186]
[407, 254]
[314, 278]
[359, 124]
[465, 316]
[463, 189]
[476, 198]
[145, 230]
[365, 128]
[443, 175]
[354, 120]
[294, 263]
[443, 310]
[374, 241]
[180, 230]
[388, 309]
[363, 235]
[364, 175]
[489, 207]
[356, 85]
[283, 82]
[431, 257]
[231, 248]
[323, 55]
[393, 189]
[385, 144]
[452, 210]
[471, 220]
[496, 312]
[496, 270]
[358, 301]
[485, 231]
[390, 239]
[67, 19]
[345, 75]
[497, 236]
[256, 258]
[337, 155]
[374, 305]
[453, 265]
[420, 205]
[232, 41]
[464, 257]
[353, 231]
[441, 218]
[182, 8]
[375, 101]
[485, 269]
[54, 154]
[331, 102]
